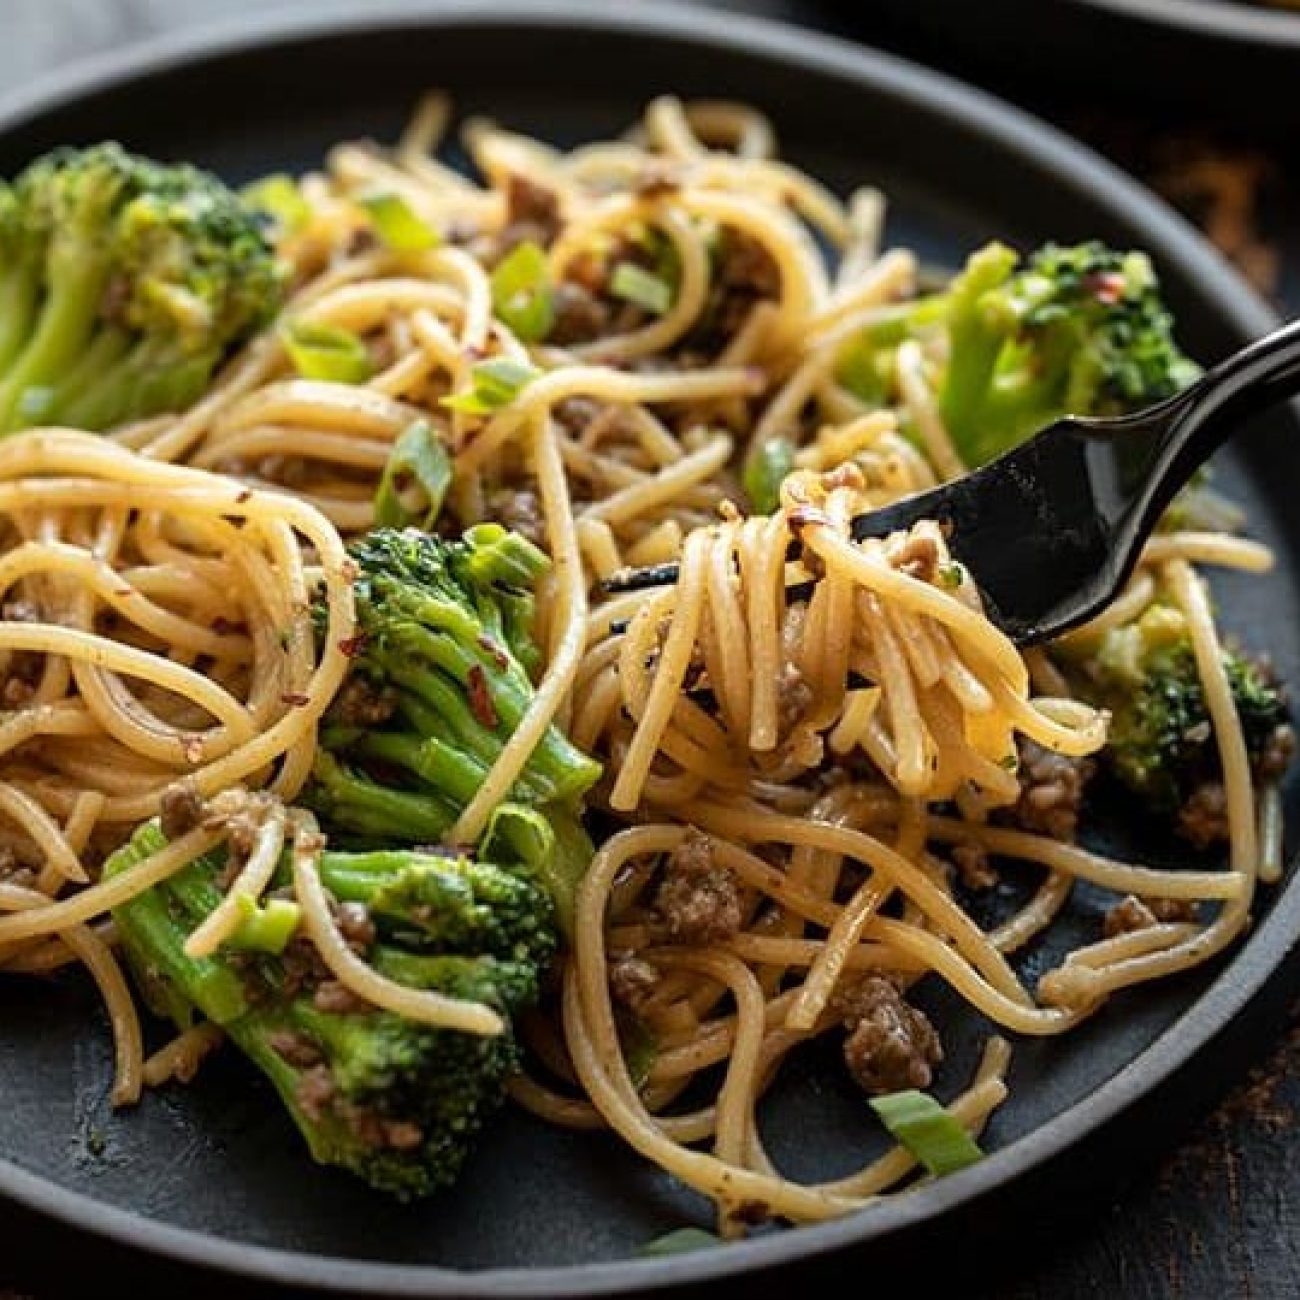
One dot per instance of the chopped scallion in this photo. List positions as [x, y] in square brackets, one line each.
[280, 198]
[951, 575]
[415, 480]
[680, 1241]
[266, 927]
[636, 285]
[522, 294]
[397, 225]
[326, 352]
[494, 384]
[765, 470]
[928, 1130]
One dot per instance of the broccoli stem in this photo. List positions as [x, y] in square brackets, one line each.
[367, 808]
[974, 347]
[63, 330]
[555, 769]
[19, 291]
[152, 930]
[435, 762]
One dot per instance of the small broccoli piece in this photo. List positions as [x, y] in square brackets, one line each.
[439, 679]
[395, 1102]
[1161, 743]
[1078, 330]
[123, 285]
[448, 902]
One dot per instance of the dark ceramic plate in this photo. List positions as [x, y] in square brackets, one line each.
[1160, 55]
[213, 1175]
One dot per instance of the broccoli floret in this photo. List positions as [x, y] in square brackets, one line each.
[439, 679]
[1078, 330]
[395, 1102]
[451, 903]
[1161, 743]
[123, 284]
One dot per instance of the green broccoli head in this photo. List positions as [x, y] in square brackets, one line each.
[439, 680]
[447, 903]
[1102, 309]
[123, 284]
[396, 1102]
[1077, 330]
[1161, 742]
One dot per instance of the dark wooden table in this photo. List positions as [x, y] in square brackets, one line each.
[1219, 1217]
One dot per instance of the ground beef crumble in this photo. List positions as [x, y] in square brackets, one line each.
[315, 1092]
[295, 1049]
[335, 998]
[356, 926]
[23, 668]
[1051, 791]
[1133, 913]
[580, 315]
[1203, 819]
[793, 696]
[744, 274]
[698, 900]
[891, 1045]
[181, 809]
[632, 980]
[532, 214]
[519, 509]
[973, 866]
[361, 704]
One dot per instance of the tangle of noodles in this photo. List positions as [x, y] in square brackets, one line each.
[818, 763]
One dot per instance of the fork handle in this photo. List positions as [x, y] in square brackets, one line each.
[1203, 416]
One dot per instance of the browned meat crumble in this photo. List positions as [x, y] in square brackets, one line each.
[698, 900]
[891, 1045]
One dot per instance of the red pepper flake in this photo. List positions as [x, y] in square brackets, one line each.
[224, 627]
[294, 698]
[494, 652]
[350, 646]
[244, 496]
[1108, 287]
[480, 701]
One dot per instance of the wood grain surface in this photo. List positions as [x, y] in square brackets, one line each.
[1219, 1217]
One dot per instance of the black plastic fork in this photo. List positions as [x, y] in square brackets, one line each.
[1052, 530]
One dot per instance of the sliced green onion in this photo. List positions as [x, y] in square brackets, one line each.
[266, 928]
[397, 225]
[415, 479]
[928, 1130]
[865, 371]
[680, 1241]
[326, 352]
[522, 294]
[640, 1047]
[494, 384]
[636, 285]
[280, 198]
[765, 470]
[951, 575]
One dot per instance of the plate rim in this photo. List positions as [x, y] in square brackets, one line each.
[818, 54]
[1215, 19]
